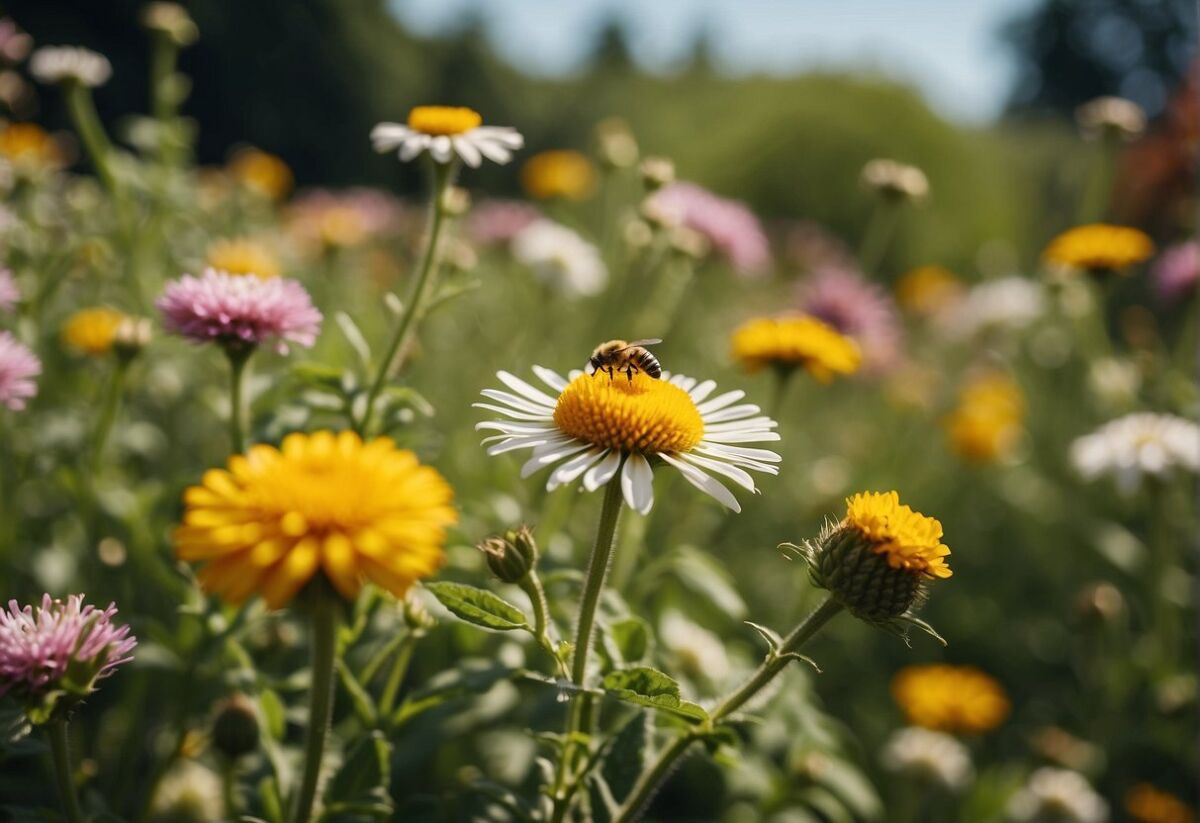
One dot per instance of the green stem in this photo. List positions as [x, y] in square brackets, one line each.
[238, 358]
[60, 752]
[229, 785]
[391, 689]
[878, 236]
[776, 662]
[531, 584]
[1094, 199]
[783, 379]
[108, 413]
[320, 707]
[87, 122]
[418, 296]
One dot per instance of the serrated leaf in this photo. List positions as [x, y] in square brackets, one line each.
[365, 774]
[644, 686]
[478, 606]
[625, 758]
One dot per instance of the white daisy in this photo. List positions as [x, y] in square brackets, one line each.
[57, 64]
[1058, 795]
[1006, 304]
[928, 756]
[595, 427]
[446, 132]
[560, 258]
[1138, 445]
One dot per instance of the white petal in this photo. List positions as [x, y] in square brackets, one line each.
[732, 413]
[637, 483]
[467, 150]
[494, 152]
[739, 451]
[704, 483]
[441, 148]
[516, 443]
[740, 437]
[413, 145]
[574, 467]
[539, 416]
[505, 136]
[721, 401]
[602, 472]
[521, 387]
[388, 136]
[550, 453]
[517, 401]
[702, 391]
[758, 424]
[551, 378]
[735, 474]
[513, 428]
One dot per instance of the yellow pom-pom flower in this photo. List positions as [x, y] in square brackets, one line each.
[927, 290]
[986, 424]
[261, 172]
[908, 539]
[325, 504]
[798, 341]
[243, 257]
[955, 699]
[1099, 248]
[562, 173]
[92, 331]
[1150, 804]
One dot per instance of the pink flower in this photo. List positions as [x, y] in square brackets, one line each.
[8, 291]
[18, 368]
[240, 311]
[1176, 271]
[374, 212]
[729, 225]
[499, 221]
[844, 299]
[59, 647]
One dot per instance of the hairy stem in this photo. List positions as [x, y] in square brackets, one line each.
[320, 707]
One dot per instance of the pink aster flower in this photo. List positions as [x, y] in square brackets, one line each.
[240, 311]
[18, 368]
[499, 221]
[8, 291]
[1176, 271]
[734, 231]
[850, 303]
[59, 650]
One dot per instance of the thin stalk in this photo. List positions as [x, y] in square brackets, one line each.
[531, 584]
[238, 358]
[878, 236]
[391, 689]
[783, 379]
[60, 751]
[320, 707]
[418, 296]
[108, 412]
[229, 787]
[776, 662]
[87, 122]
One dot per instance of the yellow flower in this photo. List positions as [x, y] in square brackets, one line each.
[928, 289]
[1099, 247]
[563, 173]
[910, 540]
[795, 341]
[443, 120]
[322, 503]
[986, 424]
[28, 145]
[243, 257]
[1148, 804]
[638, 415]
[264, 173]
[92, 331]
[956, 699]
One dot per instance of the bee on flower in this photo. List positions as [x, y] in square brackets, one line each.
[447, 133]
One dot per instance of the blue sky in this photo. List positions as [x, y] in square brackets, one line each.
[947, 48]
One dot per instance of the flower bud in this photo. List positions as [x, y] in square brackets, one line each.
[895, 182]
[657, 172]
[172, 20]
[512, 556]
[132, 335]
[416, 616]
[615, 143]
[1100, 603]
[235, 727]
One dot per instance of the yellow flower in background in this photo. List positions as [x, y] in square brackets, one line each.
[1099, 247]
[29, 145]
[92, 331]
[797, 341]
[264, 173]
[239, 256]
[955, 699]
[341, 226]
[323, 503]
[986, 423]
[1149, 804]
[910, 540]
[928, 289]
[561, 173]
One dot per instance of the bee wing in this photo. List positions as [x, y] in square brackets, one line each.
[649, 341]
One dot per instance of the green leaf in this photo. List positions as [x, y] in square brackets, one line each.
[355, 338]
[478, 606]
[624, 761]
[364, 705]
[320, 376]
[644, 686]
[274, 713]
[271, 799]
[708, 579]
[365, 774]
[632, 637]
[774, 641]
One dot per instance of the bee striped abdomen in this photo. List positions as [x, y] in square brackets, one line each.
[649, 364]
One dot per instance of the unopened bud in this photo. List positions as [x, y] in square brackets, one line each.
[235, 727]
[172, 20]
[416, 616]
[512, 556]
[1113, 117]
[657, 172]
[132, 335]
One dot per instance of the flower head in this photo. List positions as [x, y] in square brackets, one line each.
[1004, 304]
[1150, 804]
[928, 757]
[927, 290]
[261, 172]
[955, 699]
[1177, 271]
[61, 64]
[446, 132]
[170, 20]
[859, 309]
[240, 311]
[596, 426]
[729, 225]
[986, 424]
[796, 341]
[1113, 116]
[9, 294]
[1058, 796]
[1138, 445]
[338, 219]
[14, 43]
[499, 221]
[240, 256]
[1099, 248]
[18, 368]
[560, 258]
[325, 504]
[92, 331]
[28, 147]
[561, 173]
[895, 181]
[52, 656]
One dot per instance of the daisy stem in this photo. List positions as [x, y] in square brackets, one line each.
[878, 236]
[320, 707]
[91, 133]
[418, 296]
[238, 358]
[776, 661]
[60, 751]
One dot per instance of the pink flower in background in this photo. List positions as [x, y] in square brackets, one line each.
[18, 368]
[734, 231]
[8, 291]
[1176, 271]
[858, 308]
[363, 211]
[235, 310]
[39, 647]
[499, 221]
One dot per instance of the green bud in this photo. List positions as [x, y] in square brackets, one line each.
[861, 579]
[512, 556]
[235, 727]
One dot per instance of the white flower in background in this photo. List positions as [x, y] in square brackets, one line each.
[560, 258]
[1111, 115]
[1114, 380]
[1007, 303]
[698, 652]
[59, 64]
[928, 756]
[1058, 795]
[1138, 445]
[895, 180]
[189, 792]
[596, 427]
[446, 132]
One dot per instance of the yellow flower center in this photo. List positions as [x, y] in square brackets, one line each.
[443, 120]
[799, 341]
[959, 699]
[243, 257]
[910, 540]
[92, 331]
[562, 173]
[262, 172]
[641, 415]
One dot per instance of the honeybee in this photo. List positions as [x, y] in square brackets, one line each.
[619, 356]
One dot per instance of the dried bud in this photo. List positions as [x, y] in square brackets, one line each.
[456, 201]
[132, 335]
[657, 172]
[235, 727]
[615, 143]
[512, 556]
[895, 182]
